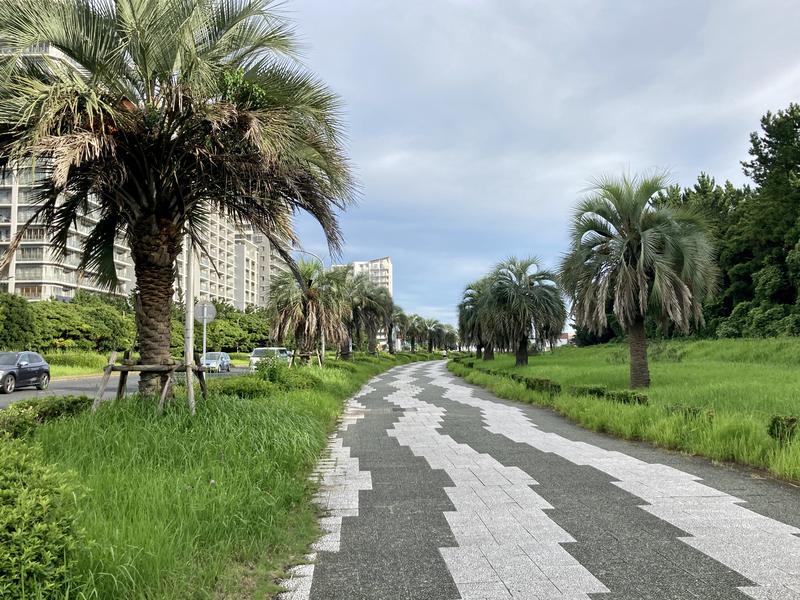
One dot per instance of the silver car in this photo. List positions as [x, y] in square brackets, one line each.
[216, 361]
[259, 353]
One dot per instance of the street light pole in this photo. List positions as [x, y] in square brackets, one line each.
[322, 333]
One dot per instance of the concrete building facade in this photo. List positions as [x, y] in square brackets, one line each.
[379, 271]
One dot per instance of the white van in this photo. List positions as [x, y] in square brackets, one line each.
[257, 354]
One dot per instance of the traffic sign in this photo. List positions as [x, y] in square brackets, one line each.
[204, 312]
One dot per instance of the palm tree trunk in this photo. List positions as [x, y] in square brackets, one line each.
[479, 351]
[372, 343]
[390, 338]
[413, 342]
[430, 344]
[154, 251]
[637, 342]
[488, 352]
[344, 349]
[522, 352]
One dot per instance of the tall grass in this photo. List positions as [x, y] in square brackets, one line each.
[736, 385]
[183, 507]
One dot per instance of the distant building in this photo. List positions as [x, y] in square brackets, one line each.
[270, 265]
[379, 271]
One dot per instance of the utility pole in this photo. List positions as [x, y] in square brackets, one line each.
[188, 327]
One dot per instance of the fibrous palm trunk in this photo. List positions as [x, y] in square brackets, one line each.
[637, 342]
[413, 341]
[344, 349]
[390, 338]
[372, 341]
[488, 352]
[430, 345]
[522, 352]
[154, 249]
[479, 350]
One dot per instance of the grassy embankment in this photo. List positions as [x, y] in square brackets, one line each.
[716, 398]
[206, 507]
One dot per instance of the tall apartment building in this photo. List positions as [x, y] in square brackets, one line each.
[229, 270]
[34, 273]
[270, 265]
[379, 271]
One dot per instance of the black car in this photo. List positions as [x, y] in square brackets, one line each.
[23, 369]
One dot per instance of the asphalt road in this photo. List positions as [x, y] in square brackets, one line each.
[87, 386]
[434, 489]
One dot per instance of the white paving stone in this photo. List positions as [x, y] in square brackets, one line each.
[340, 481]
[497, 514]
[761, 549]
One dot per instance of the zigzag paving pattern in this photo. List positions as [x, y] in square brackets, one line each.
[436, 490]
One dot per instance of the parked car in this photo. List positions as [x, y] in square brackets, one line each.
[23, 369]
[259, 353]
[216, 361]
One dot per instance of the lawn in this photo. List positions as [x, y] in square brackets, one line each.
[737, 386]
[211, 506]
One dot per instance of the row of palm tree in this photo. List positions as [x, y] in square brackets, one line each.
[629, 256]
[515, 304]
[347, 310]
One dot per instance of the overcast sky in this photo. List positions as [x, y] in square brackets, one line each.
[474, 125]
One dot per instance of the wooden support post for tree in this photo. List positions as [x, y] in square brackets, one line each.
[122, 386]
[104, 381]
[164, 393]
[201, 377]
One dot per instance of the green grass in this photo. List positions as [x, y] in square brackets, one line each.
[207, 507]
[737, 385]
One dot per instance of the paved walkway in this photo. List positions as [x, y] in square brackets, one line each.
[437, 490]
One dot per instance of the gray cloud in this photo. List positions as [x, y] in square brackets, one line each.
[474, 125]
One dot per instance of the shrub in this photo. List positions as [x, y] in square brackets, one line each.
[274, 370]
[247, 386]
[690, 412]
[783, 428]
[599, 391]
[21, 418]
[38, 536]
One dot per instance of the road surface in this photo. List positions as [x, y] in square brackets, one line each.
[85, 386]
[436, 490]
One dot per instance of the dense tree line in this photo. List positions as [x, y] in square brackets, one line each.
[348, 312]
[103, 323]
[755, 230]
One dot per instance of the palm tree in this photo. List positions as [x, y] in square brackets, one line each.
[309, 311]
[471, 317]
[396, 328]
[156, 115]
[641, 259]
[360, 291]
[377, 316]
[416, 331]
[525, 300]
[434, 330]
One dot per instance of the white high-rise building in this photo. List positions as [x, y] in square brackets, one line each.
[34, 273]
[379, 271]
[270, 265]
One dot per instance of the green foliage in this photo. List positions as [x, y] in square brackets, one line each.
[783, 428]
[17, 328]
[22, 417]
[38, 535]
[247, 386]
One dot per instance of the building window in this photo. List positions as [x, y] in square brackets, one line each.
[29, 291]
